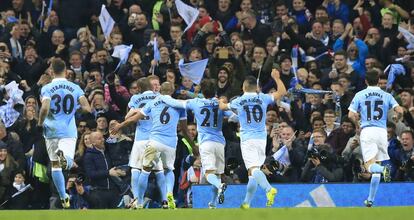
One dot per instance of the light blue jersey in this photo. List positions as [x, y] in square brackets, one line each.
[373, 104]
[143, 129]
[209, 119]
[164, 120]
[64, 101]
[251, 109]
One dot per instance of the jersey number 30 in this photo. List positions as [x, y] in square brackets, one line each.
[66, 104]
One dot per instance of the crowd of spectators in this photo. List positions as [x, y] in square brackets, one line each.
[337, 41]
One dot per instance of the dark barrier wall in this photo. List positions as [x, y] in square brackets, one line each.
[313, 195]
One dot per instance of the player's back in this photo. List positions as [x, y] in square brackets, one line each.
[251, 109]
[373, 104]
[143, 127]
[64, 101]
[164, 120]
[209, 119]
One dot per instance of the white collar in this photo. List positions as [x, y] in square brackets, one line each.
[59, 79]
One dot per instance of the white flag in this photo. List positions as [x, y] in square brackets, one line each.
[107, 23]
[189, 14]
[122, 52]
[408, 36]
[194, 70]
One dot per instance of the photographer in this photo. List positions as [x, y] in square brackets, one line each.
[79, 194]
[288, 153]
[406, 157]
[322, 165]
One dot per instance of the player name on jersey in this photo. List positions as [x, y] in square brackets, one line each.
[61, 86]
[369, 94]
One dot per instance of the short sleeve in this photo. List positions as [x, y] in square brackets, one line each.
[79, 92]
[131, 104]
[45, 94]
[354, 106]
[234, 104]
[190, 105]
[393, 102]
[146, 110]
[268, 99]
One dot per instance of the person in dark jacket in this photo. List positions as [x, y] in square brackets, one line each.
[98, 169]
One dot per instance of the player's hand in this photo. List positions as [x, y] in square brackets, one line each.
[115, 129]
[275, 74]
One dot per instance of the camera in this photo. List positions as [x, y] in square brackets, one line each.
[274, 166]
[80, 179]
[91, 77]
[320, 154]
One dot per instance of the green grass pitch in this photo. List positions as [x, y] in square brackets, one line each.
[377, 213]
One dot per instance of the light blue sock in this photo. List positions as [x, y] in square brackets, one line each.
[169, 180]
[375, 168]
[213, 180]
[69, 162]
[261, 180]
[161, 184]
[373, 187]
[251, 190]
[134, 181]
[214, 190]
[142, 186]
[59, 181]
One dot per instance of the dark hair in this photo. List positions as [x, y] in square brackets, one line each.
[409, 91]
[383, 76]
[372, 77]
[144, 84]
[321, 8]
[328, 111]
[58, 66]
[348, 120]
[208, 88]
[391, 125]
[251, 82]
[341, 53]
[408, 132]
[318, 118]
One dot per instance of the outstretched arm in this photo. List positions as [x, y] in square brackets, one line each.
[281, 89]
[137, 115]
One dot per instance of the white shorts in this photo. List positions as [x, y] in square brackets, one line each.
[212, 156]
[165, 157]
[374, 144]
[67, 145]
[253, 152]
[135, 159]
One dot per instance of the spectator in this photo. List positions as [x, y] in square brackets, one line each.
[98, 168]
[8, 166]
[340, 136]
[322, 165]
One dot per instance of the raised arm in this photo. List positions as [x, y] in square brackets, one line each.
[281, 89]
